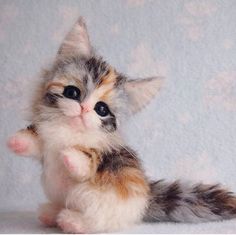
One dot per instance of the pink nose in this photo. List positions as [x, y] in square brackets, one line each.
[85, 108]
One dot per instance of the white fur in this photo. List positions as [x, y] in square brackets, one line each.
[57, 137]
[55, 178]
[104, 210]
[60, 134]
[71, 222]
[69, 107]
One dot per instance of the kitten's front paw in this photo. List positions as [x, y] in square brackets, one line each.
[24, 143]
[76, 162]
[18, 144]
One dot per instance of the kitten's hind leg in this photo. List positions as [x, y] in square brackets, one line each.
[47, 214]
[71, 222]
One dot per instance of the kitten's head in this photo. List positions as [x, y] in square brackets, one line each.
[85, 92]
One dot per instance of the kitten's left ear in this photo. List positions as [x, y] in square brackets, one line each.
[76, 41]
[141, 91]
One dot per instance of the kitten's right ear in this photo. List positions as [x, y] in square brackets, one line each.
[76, 41]
[141, 91]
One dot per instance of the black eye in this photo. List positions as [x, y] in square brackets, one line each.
[101, 109]
[72, 92]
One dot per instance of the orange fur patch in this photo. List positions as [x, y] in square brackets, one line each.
[127, 182]
[108, 79]
[94, 158]
[106, 85]
[106, 95]
[54, 84]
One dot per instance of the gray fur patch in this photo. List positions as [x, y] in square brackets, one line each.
[115, 160]
[97, 68]
[109, 123]
[50, 99]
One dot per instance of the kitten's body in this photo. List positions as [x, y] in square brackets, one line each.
[93, 181]
[96, 199]
[117, 192]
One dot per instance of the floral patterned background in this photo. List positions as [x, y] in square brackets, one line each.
[188, 132]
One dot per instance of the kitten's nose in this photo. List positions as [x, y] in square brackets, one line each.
[85, 108]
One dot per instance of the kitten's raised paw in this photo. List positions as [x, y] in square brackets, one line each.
[76, 162]
[69, 163]
[24, 143]
[18, 145]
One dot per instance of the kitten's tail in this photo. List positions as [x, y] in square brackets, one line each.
[182, 203]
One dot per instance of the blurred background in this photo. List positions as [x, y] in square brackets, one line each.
[188, 132]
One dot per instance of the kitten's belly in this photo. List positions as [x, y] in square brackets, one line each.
[56, 180]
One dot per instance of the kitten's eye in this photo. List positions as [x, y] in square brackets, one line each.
[72, 92]
[101, 109]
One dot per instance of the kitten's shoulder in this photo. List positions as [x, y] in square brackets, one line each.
[117, 159]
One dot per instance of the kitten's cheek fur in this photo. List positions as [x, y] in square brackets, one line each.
[69, 107]
[76, 123]
[86, 121]
[91, 120]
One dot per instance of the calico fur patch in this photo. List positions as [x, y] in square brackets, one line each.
[181, 202]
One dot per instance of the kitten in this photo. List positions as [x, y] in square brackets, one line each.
[93, 181]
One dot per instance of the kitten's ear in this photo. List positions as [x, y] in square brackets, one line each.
[140, 92]
[76, 41]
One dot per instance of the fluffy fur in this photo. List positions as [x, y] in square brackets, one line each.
[93, 181]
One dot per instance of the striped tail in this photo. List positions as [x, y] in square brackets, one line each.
[182, 203]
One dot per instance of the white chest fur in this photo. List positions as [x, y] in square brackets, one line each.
[55, 179]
